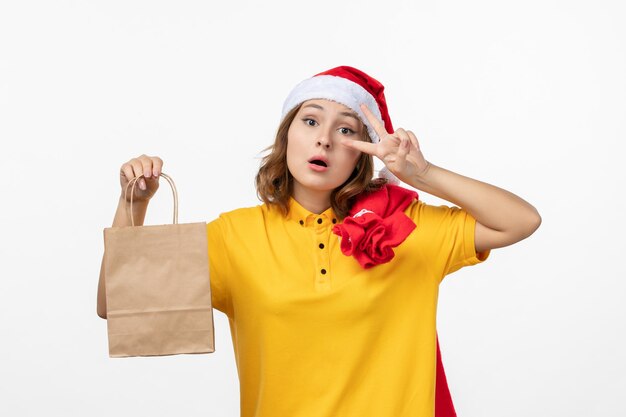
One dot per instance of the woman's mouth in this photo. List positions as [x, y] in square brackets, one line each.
[318, 164]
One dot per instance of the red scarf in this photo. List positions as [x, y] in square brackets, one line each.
[377, 224]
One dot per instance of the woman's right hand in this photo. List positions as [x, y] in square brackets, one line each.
[150, 167]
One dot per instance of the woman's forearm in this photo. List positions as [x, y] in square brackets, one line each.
[492, 206]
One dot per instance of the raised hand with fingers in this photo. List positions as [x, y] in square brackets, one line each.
[400, 151]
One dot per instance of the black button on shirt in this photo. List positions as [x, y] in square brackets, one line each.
[321, 246]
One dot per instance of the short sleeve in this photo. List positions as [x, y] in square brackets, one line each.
[219, 267]
[447, 234]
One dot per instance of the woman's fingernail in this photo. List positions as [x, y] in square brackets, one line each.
[142, 185]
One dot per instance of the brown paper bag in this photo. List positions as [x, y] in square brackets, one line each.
[157, 287]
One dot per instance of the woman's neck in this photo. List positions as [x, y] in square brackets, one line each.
[314, 201]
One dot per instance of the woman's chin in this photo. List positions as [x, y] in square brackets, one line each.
[316, 185]
[318, 182]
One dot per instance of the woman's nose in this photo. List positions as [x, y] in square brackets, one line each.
[324, 141]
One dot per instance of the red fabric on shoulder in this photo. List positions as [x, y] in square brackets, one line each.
[376, 224]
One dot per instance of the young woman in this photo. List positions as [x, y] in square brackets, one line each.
[330, 286]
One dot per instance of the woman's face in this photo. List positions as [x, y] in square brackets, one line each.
[316, 159]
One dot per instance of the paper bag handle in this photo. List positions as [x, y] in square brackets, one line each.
[132, 192]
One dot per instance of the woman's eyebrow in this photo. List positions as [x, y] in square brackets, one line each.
[343, 113]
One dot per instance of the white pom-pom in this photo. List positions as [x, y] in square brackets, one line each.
[385, 173]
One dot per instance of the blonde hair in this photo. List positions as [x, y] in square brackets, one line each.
[274, 183]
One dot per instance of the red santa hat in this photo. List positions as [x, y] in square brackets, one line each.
[350, 87]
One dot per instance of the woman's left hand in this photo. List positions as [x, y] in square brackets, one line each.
[399, 151]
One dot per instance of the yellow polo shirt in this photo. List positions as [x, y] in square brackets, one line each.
[316, 335]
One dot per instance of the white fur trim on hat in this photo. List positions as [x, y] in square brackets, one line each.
[385, 173]
[337, 89]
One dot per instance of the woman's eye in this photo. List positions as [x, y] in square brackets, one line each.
[309, 120]
[349, 131]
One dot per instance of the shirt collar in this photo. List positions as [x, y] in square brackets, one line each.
[304, 217]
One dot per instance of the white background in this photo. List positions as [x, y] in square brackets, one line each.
[529, 96]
